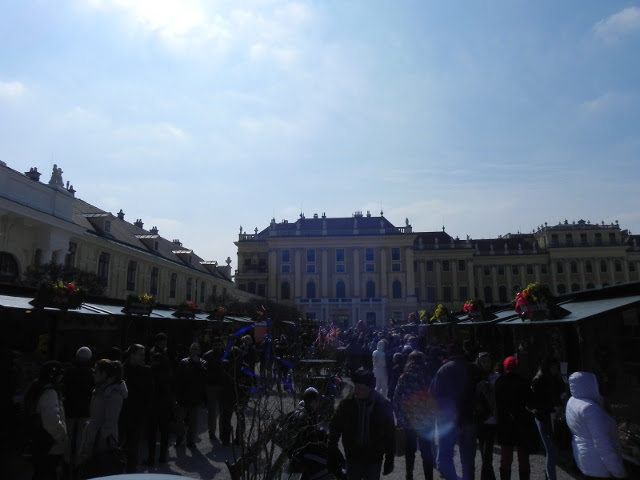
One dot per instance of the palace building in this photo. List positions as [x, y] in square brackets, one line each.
[364, 267]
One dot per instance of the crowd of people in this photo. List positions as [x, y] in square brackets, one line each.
[407, 389]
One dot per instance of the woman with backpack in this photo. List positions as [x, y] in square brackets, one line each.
[44, 402]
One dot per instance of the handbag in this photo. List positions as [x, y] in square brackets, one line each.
[109, 461]
[400, 442]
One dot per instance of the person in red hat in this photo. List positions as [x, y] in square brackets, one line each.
[516, 428]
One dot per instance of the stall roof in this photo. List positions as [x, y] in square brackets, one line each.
[500, 316]
[581, 310]
[22, 303]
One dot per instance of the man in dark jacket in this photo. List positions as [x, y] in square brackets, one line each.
[190, 394]
[364, 420]
[453, 386]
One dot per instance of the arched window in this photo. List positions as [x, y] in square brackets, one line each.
[575, 287]
[588, 267]
[131, 275]
[370, 289]
[202, 291]
[341, 290]
[153, 281]
[561, 289]
[311, 289]
[590, 286]
[502, 293]
[488, 295]
[8, 268]
[603, 266]
[285, 291]
[574, 266]
[189, 287]
[252, 287]
[173, 282]
[396, 288]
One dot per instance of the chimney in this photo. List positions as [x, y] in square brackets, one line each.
[33, 174]
[138, 223]
[154, 231]
[177, 242]
[121, 215]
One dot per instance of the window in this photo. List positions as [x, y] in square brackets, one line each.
[618, 266]
[598, 239]
[603, 266]
[544, 269]
[8, 267]
[429, 265]
[107, 226]
[311, 290]
[103, 267]
[559, 267]
[214, 291]
[502, 294]
[431, 294]
[262, 290]
[285, 268]
[70, 257]
[488, 295]
[462, 265]
[251, 287]
[189, 287]
[339, 254]
[554, 240]
[285, 291]
[590, 286]
[514, 269]
[368, 256]
[396, 287]
[569, 240]
[588, 267]
[340, 268]
[446, 294]
[153, 281]
[583, 239]
[575, 287]
[395, 267]
[131, 275]
[632, 267]
[486, 270]
[173, 283]
[286, 256]
[341, 290]
[573, 266]
[369, 267]
[612, 238]
[445, 266]
[370, 289]
[311, 255]
[395, 254]
[561, 289]
[311, 268]
[464, 293]
[529, 269]
[202, 291]
[500, 269]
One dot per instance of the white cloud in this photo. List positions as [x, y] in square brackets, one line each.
[610, 101]
[623, 23]
[11, 89]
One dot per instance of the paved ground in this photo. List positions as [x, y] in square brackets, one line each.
[207, 461]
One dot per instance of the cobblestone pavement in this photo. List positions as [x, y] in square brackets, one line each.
[207, 461]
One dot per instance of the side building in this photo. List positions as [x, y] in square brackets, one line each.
[45, 222]
[364, 267]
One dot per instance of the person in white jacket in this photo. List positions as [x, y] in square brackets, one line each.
[379, 359]
[595, 442]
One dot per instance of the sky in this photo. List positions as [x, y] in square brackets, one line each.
[201, 116]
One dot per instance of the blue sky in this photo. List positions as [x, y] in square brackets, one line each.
[201, 116]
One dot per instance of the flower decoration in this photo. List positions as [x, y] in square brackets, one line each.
[533, 298]
[472, 306]
[141, 304]
[222, 310]
[58, 295]
[423, 316]
[440, 315]
[186, 309]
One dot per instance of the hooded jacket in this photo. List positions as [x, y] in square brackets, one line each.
[53, 418]
[379, 358]
[105, 408]
[595, 443]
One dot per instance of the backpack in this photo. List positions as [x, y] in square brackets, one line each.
[485, 401]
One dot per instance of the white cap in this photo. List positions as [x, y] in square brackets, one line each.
[84, 354]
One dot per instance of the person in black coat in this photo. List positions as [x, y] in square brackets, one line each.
[190, 394]
[515, 427]
[162, 411]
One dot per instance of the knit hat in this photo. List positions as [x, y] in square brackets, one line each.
[364, 377]
[84, 354]
[510, 364]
